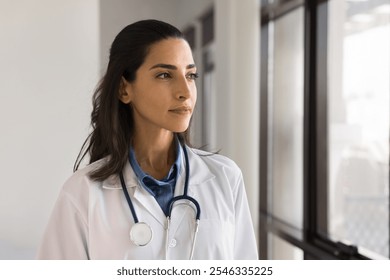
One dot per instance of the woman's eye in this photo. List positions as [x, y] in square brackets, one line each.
[163, 76]
[193, 76]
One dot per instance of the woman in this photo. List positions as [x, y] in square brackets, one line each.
[116, 207]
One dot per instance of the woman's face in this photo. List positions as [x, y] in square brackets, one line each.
[163, 95]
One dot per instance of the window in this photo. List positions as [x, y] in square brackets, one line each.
[358, 123]
[200, 35]
[324, 162]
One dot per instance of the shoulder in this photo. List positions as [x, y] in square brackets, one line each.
[218, 164]
[81, 176]
[215, 159]
[77, 187]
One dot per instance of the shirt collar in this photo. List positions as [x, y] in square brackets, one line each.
[199, 170]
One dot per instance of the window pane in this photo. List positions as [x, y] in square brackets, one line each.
[358, 115]
[282, 250]
[286, 115]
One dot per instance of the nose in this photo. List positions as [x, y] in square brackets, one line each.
[184, 88]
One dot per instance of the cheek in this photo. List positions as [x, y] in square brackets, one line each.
[194, 94]
[145, 95]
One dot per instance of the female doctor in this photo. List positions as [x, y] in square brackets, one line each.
[146, 194]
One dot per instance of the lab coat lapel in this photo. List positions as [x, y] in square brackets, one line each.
[149, 204]
[141, 199]
[199, 173]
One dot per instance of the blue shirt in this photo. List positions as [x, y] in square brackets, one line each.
[162, 190]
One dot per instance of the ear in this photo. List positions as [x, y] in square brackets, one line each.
[125, 91]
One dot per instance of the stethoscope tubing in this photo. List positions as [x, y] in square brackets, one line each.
[129, 202]
[185, 196]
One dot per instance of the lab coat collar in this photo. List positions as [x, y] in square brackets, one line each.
[199, 173]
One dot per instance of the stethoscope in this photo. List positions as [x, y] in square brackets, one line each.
[141, 233]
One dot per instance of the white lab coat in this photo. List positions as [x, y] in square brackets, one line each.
[92, 220]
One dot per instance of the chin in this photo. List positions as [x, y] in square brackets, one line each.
[180, 129]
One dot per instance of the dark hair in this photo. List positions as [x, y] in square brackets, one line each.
[112, 120]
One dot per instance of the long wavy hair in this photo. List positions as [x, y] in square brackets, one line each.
[111, 120]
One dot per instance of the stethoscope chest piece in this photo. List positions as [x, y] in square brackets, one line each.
[141, 234]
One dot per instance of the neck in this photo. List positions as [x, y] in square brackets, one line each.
[155, 152]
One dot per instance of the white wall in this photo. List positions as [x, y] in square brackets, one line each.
[115, 15]
[189, 11]
[48, 69]
[238, 93]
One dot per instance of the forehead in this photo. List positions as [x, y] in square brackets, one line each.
[170, 51]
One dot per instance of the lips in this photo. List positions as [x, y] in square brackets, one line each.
[181, 110]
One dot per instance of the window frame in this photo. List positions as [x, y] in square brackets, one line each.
[315, 169]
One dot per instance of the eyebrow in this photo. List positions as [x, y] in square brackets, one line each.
[170, 67]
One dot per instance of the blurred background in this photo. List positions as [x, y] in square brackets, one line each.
[295, 91]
